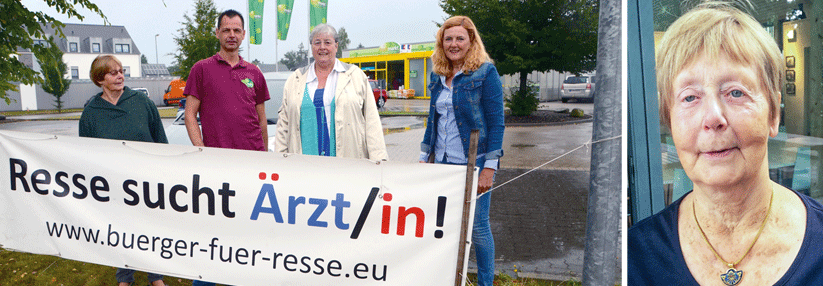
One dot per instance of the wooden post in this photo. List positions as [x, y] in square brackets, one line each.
[467, 199]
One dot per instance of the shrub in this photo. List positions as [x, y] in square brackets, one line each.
[523, 102]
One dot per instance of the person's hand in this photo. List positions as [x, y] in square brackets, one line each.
[421, 161]
[485, 180]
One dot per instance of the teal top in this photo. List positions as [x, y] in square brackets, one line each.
[310, 134]
[133, 118]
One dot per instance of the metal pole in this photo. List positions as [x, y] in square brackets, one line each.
[603, 220]
[248, 39]
[156, 57]
[467, 199]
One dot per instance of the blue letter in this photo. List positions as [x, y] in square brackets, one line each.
[267, 190]
[293, 206]
[338, 205]
[321, 205]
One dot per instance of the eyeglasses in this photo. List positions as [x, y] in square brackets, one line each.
[115, 72]
[324, 43]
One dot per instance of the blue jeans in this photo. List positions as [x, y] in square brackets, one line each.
[482, 236]
[483, 241]
[127, 276]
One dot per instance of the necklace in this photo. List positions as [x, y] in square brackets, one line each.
[733, 276]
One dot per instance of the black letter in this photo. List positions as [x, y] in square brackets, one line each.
[160, 201]
[337, 267]
[357, 270]
[61, 183]
[173, 198]
[135, 199]
[320, 267]
[289, 259]
[18, 175]
[35, 181]
[196, 192]
[374, 273]
[103, 188]
[225, 193]
[303, 261]
[83, 192]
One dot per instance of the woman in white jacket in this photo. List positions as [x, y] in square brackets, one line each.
[328, 107]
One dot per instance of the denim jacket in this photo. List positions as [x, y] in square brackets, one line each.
[478, 104]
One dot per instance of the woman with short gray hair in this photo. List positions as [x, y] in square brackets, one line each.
[328, 107]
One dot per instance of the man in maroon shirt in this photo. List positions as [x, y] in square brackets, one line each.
[228, 93]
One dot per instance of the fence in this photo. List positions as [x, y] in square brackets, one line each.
[80, 91]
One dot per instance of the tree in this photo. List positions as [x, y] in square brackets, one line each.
[173, 69]
[523, 36]
[256, 62]
[19, 27]
[196, 40]
[360, 46]
[54, 71]
[342, 41]
[296, 59]
[143, 59]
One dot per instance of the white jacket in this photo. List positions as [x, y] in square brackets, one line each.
[358, 131]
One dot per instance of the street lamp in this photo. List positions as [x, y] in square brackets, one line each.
[156, 58]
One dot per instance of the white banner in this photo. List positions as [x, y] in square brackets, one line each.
[229, 216]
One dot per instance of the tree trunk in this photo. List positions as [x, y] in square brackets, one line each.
[524, 79]
[603, 220]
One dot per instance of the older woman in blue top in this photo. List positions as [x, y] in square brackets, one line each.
[466, 94]
[719, 76]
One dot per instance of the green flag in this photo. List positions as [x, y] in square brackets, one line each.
[284, 8]
[255, 22]
[317, 13]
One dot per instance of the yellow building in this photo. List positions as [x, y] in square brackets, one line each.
[401, 69]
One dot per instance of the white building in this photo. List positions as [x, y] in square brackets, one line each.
[83, 42]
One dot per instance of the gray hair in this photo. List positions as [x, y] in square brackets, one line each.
[323, 29]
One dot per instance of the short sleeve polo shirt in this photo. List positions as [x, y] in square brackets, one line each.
[228, 96]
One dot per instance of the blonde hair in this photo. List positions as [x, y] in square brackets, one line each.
[475, 56]
[102, 65]
[712, 30]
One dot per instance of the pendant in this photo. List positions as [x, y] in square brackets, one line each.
[732, 277]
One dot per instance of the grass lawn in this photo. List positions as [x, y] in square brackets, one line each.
[17, 268]
[164, 113]
[36, 112]
[168, 113]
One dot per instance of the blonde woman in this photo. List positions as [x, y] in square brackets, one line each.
[466, 94]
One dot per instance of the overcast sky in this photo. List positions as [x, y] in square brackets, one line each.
[367, 22]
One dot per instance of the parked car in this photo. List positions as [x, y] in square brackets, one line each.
[578, 87]
[380, 95]
[177, 134]
[174, 92]
[143, 90]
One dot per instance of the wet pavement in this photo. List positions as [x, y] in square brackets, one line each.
[538, 220]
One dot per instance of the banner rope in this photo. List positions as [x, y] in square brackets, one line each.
[199, 149]
[549, 162]
[49, 137]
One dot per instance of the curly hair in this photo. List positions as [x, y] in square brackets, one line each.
[475, 56]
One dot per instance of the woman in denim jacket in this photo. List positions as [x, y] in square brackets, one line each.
[466, 94]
